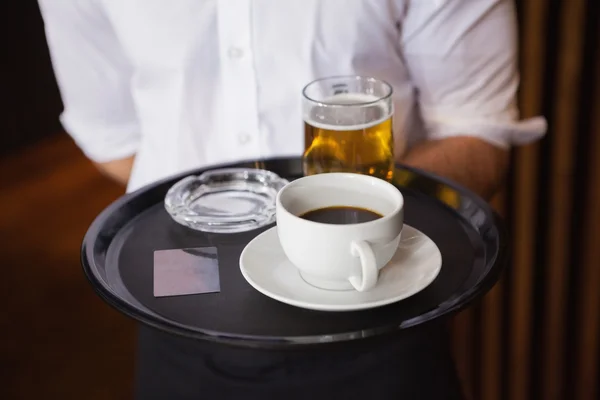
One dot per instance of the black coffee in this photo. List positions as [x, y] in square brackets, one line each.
[340, 215]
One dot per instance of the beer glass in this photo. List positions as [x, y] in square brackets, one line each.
[348, 126]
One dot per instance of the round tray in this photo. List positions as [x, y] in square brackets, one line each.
[117, 257]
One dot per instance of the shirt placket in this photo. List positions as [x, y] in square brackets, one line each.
[238, 75]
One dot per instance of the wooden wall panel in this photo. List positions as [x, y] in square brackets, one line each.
[492, 321]
[587, 369]
[533, 16]
[565, 113]
[536, 335]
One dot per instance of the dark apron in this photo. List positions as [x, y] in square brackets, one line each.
[416, 365]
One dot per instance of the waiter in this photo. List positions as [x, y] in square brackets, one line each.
[152, 88]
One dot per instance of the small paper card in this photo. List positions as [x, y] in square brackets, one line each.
[186, 271]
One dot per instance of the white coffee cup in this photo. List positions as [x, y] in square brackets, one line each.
[336, 256]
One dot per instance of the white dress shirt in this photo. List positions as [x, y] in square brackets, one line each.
[189, 83]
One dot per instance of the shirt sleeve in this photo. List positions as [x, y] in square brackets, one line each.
[462, 56]
[93, 76]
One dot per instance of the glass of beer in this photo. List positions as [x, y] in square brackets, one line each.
[348, 126]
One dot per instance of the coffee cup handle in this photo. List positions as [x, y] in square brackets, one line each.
[368, 264]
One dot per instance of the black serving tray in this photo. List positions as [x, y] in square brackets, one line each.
[117, 258]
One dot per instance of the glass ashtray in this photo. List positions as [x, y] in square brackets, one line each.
[227, 200]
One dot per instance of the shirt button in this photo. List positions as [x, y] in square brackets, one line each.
[244, 138]
[235, 52]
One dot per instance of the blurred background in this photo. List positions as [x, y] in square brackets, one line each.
[535, 336]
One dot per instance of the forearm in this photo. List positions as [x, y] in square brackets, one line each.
[118, 170]
[468, 161]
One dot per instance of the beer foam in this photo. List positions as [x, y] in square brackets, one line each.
[351, 98]
[348, 119]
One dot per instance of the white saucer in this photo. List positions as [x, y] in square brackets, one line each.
[266, 268]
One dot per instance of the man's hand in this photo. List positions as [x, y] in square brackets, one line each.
[118, 170]
[468, 161]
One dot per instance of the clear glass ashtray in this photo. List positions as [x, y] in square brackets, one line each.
[227, 200]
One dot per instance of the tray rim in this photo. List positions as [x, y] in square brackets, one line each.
[494, 268]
